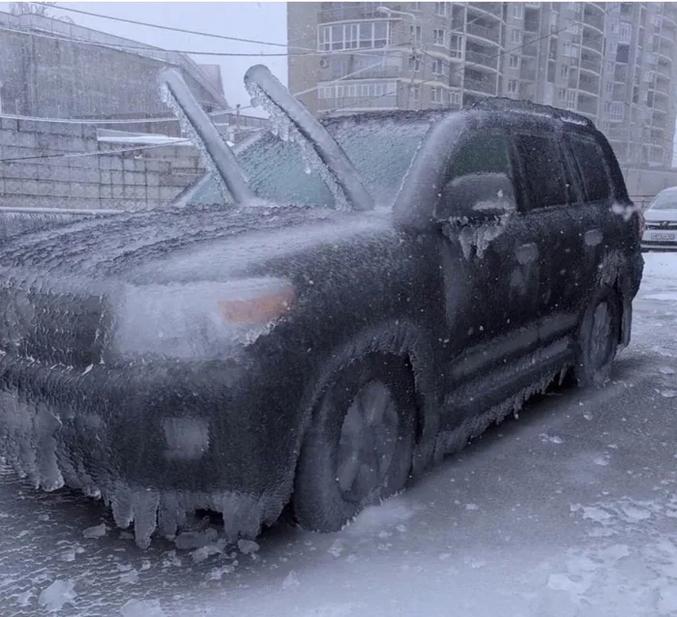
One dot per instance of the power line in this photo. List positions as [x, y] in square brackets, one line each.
[153, 50]
[173, 29]
[74, 155]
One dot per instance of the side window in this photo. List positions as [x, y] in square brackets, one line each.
[543, 170]
[592, 168]
[480, 174]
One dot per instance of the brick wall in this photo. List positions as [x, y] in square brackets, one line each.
[141, 179]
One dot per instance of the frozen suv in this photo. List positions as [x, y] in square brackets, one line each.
[332, 309]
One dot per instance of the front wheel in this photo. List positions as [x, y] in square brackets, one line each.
[598, 338]
[359, 447]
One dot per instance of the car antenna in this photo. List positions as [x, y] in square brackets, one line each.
[193, 120]
[263, 85]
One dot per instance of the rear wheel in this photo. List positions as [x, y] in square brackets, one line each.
[359, 447]
[598, 338]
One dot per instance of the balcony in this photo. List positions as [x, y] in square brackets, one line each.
[346, 103]
[593, 16]
[495, 8]
[591, 64]
[490, 34]
[587, 105]
[485, 86]
[481, 59]
[592, 39]
[348, 11]
[588, 84]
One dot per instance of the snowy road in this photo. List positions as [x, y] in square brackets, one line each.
[570, 510]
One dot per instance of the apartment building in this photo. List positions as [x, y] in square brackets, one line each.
[615, 63]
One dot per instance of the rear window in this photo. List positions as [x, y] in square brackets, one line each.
[592, 168]
[543, 169]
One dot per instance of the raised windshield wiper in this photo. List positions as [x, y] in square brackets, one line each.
[337, 168]
[219, 157]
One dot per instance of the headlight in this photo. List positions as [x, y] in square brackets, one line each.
[198, 319]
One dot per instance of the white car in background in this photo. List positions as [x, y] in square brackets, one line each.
[660, 231]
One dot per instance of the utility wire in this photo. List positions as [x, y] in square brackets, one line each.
[171, 28]
[154, 50]
[74, 155]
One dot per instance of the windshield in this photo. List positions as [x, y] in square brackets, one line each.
[381, 150]
[665, 200]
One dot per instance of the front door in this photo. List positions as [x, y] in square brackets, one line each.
[491, 270]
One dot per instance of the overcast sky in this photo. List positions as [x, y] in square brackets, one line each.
[259, 20]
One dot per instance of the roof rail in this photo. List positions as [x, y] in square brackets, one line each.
[527, 107]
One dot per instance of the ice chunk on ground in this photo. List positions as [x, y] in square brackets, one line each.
[97, 531]
[189, 540]
[142, 608]
[59, 593]
[247, 546]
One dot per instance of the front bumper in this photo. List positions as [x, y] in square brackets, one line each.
[659, 239]
[104, 430]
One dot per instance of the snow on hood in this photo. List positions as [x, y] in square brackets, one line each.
[196, 242]
[656, 215]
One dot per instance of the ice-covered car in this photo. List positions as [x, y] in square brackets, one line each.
[660, 229]
[372, 292]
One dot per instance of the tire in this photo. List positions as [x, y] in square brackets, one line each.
[359, 447]
[598, 337]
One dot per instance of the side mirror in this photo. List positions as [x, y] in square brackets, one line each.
[475, 199]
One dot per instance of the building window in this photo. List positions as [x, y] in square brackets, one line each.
[513, 86]
[415, 34]
[456, 46]
[415, 6]
[615, 111]
[415, 93]
[455, 97]
[571, 99]
[517, 10]
[515, 36]
[436, 95]
[360, 35]
[438, 36]
[625, 32]
[438, 67]
[354, 90]
[564, 71]
[415, 63]
[513, 61]
[562, 93]
[442, 8]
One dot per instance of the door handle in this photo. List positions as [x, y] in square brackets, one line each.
[593, 237]
[527, 253]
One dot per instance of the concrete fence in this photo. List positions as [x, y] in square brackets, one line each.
[140, 179]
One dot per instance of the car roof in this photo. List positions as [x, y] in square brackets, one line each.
[510, 108]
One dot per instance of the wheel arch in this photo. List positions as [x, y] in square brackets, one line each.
[398, 338]
[618, 272]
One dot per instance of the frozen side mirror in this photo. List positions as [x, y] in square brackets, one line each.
[474, 199]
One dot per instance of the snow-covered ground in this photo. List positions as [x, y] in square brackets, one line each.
[569, 511]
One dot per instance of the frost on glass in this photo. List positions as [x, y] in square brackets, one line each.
[382, 148]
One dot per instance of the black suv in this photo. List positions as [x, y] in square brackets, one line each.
[241, 356]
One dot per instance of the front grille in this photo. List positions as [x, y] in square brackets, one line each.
[658, 225]
[55, 328]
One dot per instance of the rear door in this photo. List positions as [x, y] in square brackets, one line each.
[598, 228]
[548, 193]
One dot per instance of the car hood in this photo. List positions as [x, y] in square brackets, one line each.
[660, 215]
[197, 243]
